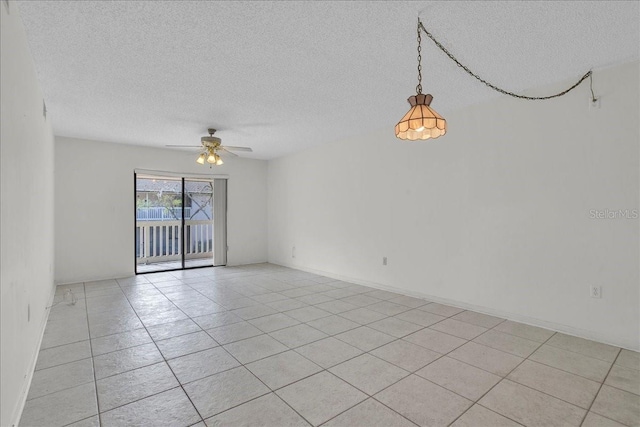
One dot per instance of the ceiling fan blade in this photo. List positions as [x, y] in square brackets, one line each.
[227, 151]
[231, 147]
[185, 146]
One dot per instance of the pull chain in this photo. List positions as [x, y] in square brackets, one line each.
[419, 87]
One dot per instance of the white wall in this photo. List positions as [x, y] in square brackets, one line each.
[26, 215]
[95, 205]
[493, 216]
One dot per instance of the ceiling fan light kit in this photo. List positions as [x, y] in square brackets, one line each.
[209, 156]
[214, 159]
[423, 122]
[212, 147]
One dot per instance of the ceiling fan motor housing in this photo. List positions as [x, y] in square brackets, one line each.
[211, 141]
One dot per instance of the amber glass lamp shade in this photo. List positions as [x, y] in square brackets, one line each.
[201, 159]
[421, 122]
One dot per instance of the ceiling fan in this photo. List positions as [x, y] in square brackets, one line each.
[212, 148]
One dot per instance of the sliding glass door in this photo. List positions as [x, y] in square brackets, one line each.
[198, 223]
[179, 224]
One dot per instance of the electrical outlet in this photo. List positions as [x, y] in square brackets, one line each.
[293, 252]
[384, 260]
[595, 291]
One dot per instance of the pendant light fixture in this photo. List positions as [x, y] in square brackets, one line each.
[421, 122]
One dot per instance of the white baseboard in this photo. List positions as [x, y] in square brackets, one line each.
[557, 327]
[22, 400]
[76, 280]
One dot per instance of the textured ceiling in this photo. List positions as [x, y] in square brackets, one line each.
[284, 76]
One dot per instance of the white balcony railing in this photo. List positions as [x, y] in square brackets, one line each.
[159, 241]
[160, 213]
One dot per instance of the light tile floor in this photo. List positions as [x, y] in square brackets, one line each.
[270, 346]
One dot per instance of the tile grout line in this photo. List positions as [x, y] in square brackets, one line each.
[563, 370]
[240, 365]
[65, 363]
[255, 376]
[369, 396]
[367, 352]
[166, 363]
[387, 316]
[547, 394]
[93, 365]
[395, 382]
[414, 373]
[540, 344]
[83, 419]
[496, 384]
[582, 354]
[595, 396]
[569, 351]
[68, 363]
[323, 370]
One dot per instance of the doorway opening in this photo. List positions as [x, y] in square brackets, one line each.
[180, 222]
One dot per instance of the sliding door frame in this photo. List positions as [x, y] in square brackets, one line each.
[183, 177]
[182, 229]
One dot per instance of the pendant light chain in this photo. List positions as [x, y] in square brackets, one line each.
[419, 87]
[494, 87]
